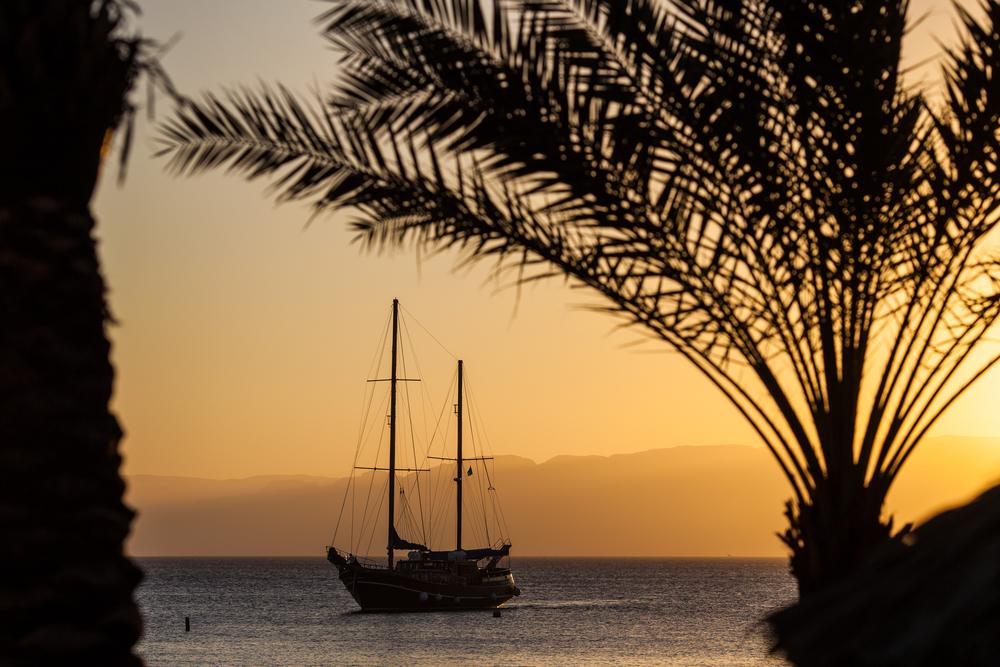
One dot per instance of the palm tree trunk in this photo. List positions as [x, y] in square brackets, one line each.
[836, 532]
[66, 588]
[66, 69]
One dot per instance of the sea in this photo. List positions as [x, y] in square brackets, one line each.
[572, 611]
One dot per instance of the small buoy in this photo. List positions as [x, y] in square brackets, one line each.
[496, 613]
[187, 624]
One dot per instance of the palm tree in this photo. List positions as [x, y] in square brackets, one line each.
[752, 182]
[930, 602]
[66, 69]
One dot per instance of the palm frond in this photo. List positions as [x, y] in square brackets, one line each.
[752, 182]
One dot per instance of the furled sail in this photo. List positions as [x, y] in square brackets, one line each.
[399, 543]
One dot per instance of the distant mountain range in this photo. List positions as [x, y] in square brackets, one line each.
[680, 501]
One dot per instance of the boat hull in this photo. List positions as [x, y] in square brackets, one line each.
[382, 590]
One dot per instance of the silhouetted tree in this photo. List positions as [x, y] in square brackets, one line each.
[66, 69]
[933, 600]
[751, 181]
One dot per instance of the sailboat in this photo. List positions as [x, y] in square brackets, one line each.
[427, 579]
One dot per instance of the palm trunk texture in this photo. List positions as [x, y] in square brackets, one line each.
[66, 593]
[66, 586]
[834, 535]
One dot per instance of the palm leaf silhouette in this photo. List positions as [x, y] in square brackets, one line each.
[752, 182]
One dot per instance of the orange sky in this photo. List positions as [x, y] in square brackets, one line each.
[245, 337]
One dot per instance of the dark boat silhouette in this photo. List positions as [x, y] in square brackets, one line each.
[426, 580]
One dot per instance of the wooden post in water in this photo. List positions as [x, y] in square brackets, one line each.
[187, 624]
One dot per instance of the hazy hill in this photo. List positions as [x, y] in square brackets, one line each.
[705, 500]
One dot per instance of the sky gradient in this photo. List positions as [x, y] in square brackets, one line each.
[244, 335]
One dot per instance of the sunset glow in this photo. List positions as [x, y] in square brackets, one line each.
[244, 333]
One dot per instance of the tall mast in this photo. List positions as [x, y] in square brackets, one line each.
[392, 431]
[458, 459]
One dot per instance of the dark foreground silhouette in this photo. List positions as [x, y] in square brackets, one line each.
[66, 68]
[932, 601]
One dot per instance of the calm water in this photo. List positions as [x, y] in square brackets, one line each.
[294, 611]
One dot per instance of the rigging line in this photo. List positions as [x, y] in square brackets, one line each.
[502, 524]
[429, 333]
[479, 429]
[372, 424]
[363, 433]
[351, 483]
[379, 351]
[498, 514]
[486, 438]
[501, 518]
[381, 423]
[407, 512]
[442, 502]
[370, 391]
[343, 505]
[413, 448]
[492, 492]
[475, 422]
[413, 433]
[477, 464]
[415, 482]
[437, 502]
[427, 409]
[374, 524]
[371, 483]
[375, 368]
[477, 452]
[437, 422]
[425, 406]
[477, 527]
[482, 501]
[378, 511]
[340, 514]
[439, 487]
[498, 517]
[435, 478]
[405, 516]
